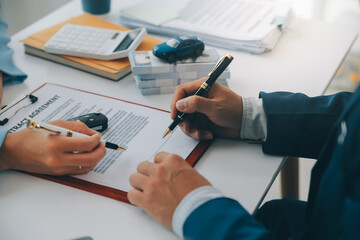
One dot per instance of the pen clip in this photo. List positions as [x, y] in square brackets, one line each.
[33, 125]
[219, 62]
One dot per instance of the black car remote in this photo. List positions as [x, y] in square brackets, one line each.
[95, 121]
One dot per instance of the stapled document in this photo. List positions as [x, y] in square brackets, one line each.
[235, 24]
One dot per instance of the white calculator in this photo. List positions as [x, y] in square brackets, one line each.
[97, 43]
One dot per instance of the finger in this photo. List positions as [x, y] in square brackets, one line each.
[135, 197]
[170, 163]
[196, 133]
[215, 89]
[76, 126]
[182, 91]
[194, 104]
[146, 168]
[138, 180]
[81, 170]
[185, 126]
[205, 135]
[85, 159]
[83, 128]
[73, 170]
[81, 144]
[160, 157]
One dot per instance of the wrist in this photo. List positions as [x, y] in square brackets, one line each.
[189, 203]
[6, 152]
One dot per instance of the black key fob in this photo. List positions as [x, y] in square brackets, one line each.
[95, 121]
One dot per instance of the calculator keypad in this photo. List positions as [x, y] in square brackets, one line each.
[82, 39]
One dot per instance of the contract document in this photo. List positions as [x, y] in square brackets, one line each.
[136, 127]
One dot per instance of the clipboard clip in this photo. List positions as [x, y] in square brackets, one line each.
[33, 99]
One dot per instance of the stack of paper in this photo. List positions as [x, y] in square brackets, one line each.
[249, 25]
[156, 76]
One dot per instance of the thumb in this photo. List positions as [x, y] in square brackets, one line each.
[194, 104]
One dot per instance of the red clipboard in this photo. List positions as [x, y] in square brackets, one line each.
[106, 191]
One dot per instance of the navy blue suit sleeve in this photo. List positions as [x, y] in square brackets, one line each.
[298, 125]
[222, 218]
[350, 170]
[350, 217]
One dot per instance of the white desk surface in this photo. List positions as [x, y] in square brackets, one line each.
[304, 60]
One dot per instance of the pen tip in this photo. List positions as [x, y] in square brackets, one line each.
[166, 133]
[121, 148]
[114, 146]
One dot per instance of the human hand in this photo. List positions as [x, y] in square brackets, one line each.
[40, 152]
[159, 187]
[219, 113]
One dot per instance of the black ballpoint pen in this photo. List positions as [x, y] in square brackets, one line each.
[219, 68]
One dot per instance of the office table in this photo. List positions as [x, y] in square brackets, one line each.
[304, 60]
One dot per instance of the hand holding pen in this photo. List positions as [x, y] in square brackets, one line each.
[217, 114]
[56, 130]
[219, 68]
[36, 152]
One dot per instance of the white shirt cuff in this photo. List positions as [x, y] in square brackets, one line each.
[254, 122]
[190, 202]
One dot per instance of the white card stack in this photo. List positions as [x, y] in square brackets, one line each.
[157, 76]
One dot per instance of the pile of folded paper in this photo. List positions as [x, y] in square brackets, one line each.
[253, 26]
[157, 76]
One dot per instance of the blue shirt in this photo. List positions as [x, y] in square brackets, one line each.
[11, 74]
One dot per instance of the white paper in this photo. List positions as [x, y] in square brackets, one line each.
[135, 127]
[245, 25]
[235, 19]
